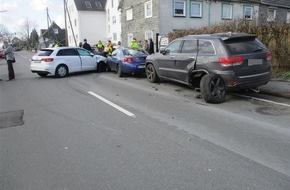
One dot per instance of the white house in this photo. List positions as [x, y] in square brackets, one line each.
[85, 19]
[113, 21]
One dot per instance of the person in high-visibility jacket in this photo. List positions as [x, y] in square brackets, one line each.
[109, 48]
[56, 45]
[134, 44]
[100, 46]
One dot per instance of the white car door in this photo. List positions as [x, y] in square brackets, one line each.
[89, 62]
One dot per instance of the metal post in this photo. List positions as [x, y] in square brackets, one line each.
[156, 42]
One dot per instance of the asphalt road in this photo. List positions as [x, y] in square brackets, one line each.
[98, 131]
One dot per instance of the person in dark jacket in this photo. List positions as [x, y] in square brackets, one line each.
[151, 46]
[9, 55]
[86, 45]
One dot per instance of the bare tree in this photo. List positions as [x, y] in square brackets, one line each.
[26, 29]
[4, 33]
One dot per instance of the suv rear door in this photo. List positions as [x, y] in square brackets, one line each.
[254, 53]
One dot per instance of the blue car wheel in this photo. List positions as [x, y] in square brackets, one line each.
[119, 70]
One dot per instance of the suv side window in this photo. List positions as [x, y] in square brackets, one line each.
[174, 47]
[189, 46]
[205, 47]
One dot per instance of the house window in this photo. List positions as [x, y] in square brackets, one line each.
[148, 35]
[75, 22]
[115, 36]
[108, 13]
[179, 8]
[114, 19]
[195, 9]
[129, 14]
[271, 15]
[227, 11]
[55, 30]
[98, 4]
[129, 38]
[288, 17]
[112, 2]
[70, 8]
[248, 12]
[88, 4]
[148, 9]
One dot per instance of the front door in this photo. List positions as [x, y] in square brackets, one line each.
[185, 60]
[166, 62]
[89, 62]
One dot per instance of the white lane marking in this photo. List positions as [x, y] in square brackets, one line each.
[112, 104]
[262, 100]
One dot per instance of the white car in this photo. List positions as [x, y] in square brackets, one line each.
[64, 60]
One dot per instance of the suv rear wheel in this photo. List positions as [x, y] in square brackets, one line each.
[213, 89]
[151, 73]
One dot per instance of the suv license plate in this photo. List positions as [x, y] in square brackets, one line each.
[252, 62]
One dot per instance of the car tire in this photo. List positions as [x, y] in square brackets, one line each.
[151, 73]
[101, 66]
[119, 70]
[213, 88]
[42, 74]
[61, 71]
[108, 68]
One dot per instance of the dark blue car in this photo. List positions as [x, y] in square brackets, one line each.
[127, 61]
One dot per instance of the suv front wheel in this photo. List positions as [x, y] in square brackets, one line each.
[151, 73]
[213, 89]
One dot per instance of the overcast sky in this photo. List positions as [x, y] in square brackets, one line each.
[34, 10]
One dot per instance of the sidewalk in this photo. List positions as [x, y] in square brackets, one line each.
[277, 87]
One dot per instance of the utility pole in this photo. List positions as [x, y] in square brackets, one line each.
[65, 22]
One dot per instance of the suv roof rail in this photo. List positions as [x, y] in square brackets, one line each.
[223, 36]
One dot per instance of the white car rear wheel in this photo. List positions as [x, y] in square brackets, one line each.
[61, 71]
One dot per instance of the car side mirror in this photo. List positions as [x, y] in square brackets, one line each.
[164, 51]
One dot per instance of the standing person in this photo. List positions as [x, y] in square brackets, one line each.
[9, 55]
[100, 46]
[146, 46]
[119, 44]
[86, 45]
[140, 44]
[81, 44]
[109, 47]
[56, 45]
[134, 44]
[151, 46]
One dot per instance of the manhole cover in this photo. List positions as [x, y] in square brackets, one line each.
[12, 118]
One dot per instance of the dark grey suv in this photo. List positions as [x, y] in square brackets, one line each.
[215, 63]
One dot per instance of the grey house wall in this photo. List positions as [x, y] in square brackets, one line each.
[279, 3]
[164, 22]
[281, 13]
[139, 24]
[211, 14]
